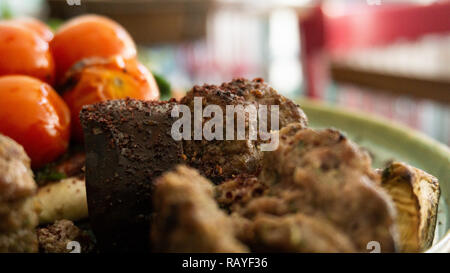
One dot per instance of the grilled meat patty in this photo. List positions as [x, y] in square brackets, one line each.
[18, 215]
[295, 232]
[316, 193]
[323, 175]
[222, 159]
[187, 219]
[238, 191]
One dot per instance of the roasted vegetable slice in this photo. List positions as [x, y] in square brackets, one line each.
[65, 199]
[416, 196]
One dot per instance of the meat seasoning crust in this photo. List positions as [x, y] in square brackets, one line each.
[219, 160]
[128, 144]
[55, 238]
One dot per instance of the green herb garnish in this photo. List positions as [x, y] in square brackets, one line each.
[48, 174]
[163, 85]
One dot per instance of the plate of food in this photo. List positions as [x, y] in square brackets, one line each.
[92, 161]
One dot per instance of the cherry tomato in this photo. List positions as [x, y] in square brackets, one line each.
[35, 116]
[94, 80]
[23, 51]
[89, 36]
[39, 27]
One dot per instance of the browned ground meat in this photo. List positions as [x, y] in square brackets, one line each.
[260, 92]
[294, 233]
[55, 238]
[239, 191]
[187, 219]
[219, 160]
[18, 215]
[324, 175]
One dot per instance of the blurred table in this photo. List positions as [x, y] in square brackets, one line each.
[417, 68]
[148, 21]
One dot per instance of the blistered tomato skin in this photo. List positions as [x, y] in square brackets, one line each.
[23, 51]
[96, 80]
[35, 116]
[33, 24]
[89, 36]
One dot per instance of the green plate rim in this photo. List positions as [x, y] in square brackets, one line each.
[439, 149]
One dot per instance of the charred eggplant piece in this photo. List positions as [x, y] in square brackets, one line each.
[416, 197]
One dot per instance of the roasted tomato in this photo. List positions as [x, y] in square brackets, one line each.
[35, 116]
[23, 51]
[37, 26]
[89, 36]
[99, 79]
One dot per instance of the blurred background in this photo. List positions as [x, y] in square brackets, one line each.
[390, 58]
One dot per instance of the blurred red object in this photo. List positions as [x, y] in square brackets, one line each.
[364, 26]
[312, 33]
[381, 25]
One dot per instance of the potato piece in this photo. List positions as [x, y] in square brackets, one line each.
[416, 197]
[65, 199]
